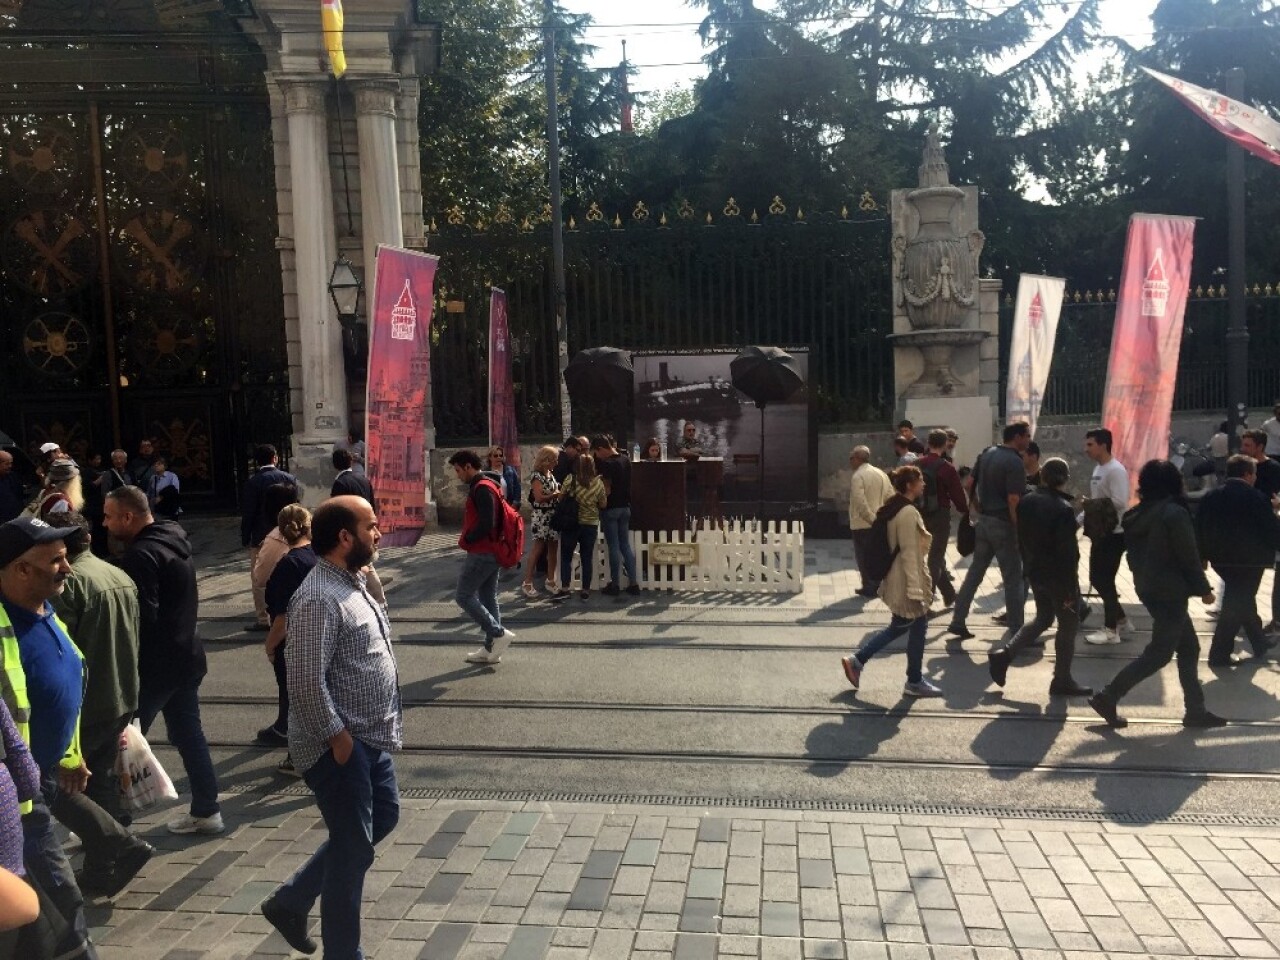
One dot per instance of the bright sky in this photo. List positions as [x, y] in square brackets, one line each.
[663, 44]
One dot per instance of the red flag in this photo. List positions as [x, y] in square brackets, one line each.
[1249, 127]
[502, 396]
[1148, 334]
[398, 388]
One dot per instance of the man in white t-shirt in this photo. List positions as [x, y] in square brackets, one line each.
[1110, 479]
[1272, 428]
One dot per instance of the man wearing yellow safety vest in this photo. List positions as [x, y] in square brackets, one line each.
[42, 680]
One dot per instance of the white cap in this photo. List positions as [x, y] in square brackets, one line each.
[49, 447]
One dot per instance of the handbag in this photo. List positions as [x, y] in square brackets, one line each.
[564, 519]
[143, 781]
[966, 537]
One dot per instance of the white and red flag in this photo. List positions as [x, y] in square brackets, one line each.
[1035, 327]
[1147, 337]
[1248, 126]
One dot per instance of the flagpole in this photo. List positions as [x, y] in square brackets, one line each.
[1238, 327]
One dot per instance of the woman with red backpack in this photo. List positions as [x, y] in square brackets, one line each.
[900, 539]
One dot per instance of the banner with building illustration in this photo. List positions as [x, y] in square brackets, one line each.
[399, 386]
[502, 394]
[1143, 371]
[1035, 328]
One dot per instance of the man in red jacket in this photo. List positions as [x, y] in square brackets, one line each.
[477, 592]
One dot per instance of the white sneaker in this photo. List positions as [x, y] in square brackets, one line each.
[1106, 638]
[483, 656]
[922, 688]
[189, 824]
[501, 643]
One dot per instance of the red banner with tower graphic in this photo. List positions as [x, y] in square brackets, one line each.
[502, 395]
[399, 387]
[1143, 370]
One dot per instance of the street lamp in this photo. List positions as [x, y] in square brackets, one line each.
[345, 289]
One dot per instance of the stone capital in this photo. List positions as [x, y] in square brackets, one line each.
[304, 94]
[375, 95]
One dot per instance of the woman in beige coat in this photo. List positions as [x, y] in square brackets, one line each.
[907, 590]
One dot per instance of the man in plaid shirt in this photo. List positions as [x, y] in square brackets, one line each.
[344, 719]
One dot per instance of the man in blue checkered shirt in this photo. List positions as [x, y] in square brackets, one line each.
[344, 721]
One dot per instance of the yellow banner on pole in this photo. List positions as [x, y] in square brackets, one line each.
[331, 18]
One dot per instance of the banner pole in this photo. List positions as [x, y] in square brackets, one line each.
[1238, 326]
[557, 220]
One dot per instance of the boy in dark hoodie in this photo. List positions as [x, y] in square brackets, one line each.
[171, 660]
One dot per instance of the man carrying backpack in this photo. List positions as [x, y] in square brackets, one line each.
[477, 592]
[942, 491]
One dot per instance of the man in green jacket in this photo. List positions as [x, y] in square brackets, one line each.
[99, 605]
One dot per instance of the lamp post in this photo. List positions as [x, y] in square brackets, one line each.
[345, 288]
[1238, 326]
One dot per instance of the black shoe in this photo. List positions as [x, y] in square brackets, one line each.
[107, 883]
[948, 598]
[1085, 610]
[292, 926]
[998, 662]
[634, 589]
[1068, 688]
[257, 628]
[1262, 648]
[1107, 711]
[866, 592]
[611, 589]
[1001, 618]
[273, 737]
[960, 630]
[1223, 662]
[1202, 719]
[1272, 627]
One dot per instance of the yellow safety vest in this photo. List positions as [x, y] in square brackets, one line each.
[13, 687]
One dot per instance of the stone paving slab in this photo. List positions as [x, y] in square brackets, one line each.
[728, 883]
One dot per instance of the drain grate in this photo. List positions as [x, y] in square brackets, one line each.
[813, 806]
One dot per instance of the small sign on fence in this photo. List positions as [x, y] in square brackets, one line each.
[675, 554]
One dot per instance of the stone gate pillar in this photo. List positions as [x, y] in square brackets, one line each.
[380, 217]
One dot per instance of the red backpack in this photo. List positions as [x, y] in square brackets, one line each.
[508, 526]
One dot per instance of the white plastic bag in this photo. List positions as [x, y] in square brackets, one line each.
[143, 781]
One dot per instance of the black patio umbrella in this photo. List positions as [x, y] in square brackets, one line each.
[599, 374]
[766, 375]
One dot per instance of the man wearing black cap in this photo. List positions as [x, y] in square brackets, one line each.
[42, 680]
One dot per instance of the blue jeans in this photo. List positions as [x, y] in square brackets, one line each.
[478, 594]
[179, 701]
[48, 865]
[994, 539]
[915, 630]
[584, 538]
[360, 804]
[616, 523]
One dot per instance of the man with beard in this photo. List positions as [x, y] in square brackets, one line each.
[344, 720]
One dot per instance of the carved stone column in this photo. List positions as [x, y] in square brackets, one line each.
[380, 213]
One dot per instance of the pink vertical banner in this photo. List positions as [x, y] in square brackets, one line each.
[399, 387]
[502, 394]
[1143, 371]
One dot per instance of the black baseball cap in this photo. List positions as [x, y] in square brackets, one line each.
[20, 535]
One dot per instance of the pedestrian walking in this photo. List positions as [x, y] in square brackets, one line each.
[42, 684]
[588, 489]
[164, 490]
[508, 476]
[907, 590]
[1109, 482]
[1271, 427]
[1237, 532]
[295, 525]
[1161, 543]
[615, 519]
[345, 719]
[349, 482]
[140, 465]
[998, 482]
[942, 491]
[171, 658]
[1253, 443]
[477, 591]
[99, 608]
[1051, 559]
[869, 490]
[256, 523]
[62, 490]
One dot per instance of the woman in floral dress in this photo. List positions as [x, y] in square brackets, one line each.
[544, 491]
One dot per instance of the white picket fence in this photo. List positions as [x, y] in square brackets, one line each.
[733, 556]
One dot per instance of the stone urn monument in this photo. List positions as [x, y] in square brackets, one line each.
[945, 371]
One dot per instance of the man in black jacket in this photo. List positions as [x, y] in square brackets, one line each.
[254, 522]
[348, 482]
[1051, 559]
[171, 660]
[1237, 531]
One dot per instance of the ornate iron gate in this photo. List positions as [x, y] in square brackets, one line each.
[139, 281]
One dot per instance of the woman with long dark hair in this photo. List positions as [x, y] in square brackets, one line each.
[1160, 541]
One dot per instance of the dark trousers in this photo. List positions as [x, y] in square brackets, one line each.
[282, 689]
[584, 538]
[860, 540]
[100, 832]
[1171, 633]
[938, 524]
[180, 704]
[46, 861]
[1239, 611]
[1052, 604]
[360, 804]
[100, 746]
[1104, 564]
